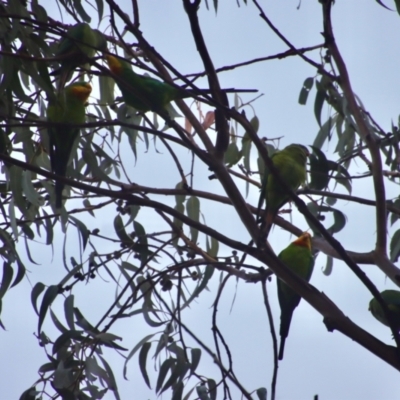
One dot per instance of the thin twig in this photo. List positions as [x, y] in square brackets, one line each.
[273, 336]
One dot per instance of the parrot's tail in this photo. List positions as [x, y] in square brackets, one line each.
[286, 318]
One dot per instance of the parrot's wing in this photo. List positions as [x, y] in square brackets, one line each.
[391, 297]
[101, 41]
[158, 93]
[67, 43]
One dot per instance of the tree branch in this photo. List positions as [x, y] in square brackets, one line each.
[363, 130]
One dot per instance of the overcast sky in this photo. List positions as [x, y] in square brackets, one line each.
[316, 361]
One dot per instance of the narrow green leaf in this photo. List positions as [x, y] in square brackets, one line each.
[212, 249]
[177, 391]
[175, 349]
[82, 229]
[395, 246]
[108, 340]
[57, 323]
[106, 84]
[112, 384]
[196, 355]
[329, 266]
[69, 275]
[69, 311]
[343, 178]
[305, 90]
[90, 158]
[208, 273]
[346, 140]
[147, 309]
[178, 223]
[120, 230]
[212, 388]
[180, 198]
[142, 362]
[338, 217]
[16, 188]
[380, 3]
[100, 8]
[26, 229]
[49, 228]
[93, 369]
[37, 289]
[179, 371]
[18, 89]
[340, 221]
[319, 102]
[6, 278]
[28, 251]
[189, 393]
[127, 115]
[215, 6]
[245, 151]
[84, 323]
[49, 296]
[193, 210]
[80, 10]
[20, 272]
[394, 217]
[47, 367]
[324, 133]
[134, 350]
[124, 265]
[167, 365]
[13, 221]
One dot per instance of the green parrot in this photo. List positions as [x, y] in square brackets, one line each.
[68, 108]
[76, 48]
[392, 298]
[148, 94]
[143, 92]
[298, 257]
[291, 165]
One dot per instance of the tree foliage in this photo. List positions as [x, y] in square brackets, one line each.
[165, 250]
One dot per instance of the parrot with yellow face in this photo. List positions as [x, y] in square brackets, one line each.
[66, 111]
[145, 93]
[298, 257]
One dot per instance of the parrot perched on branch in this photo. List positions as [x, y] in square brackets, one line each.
[298, 257]
[148, 94]
[66, 111]
[392, 299]
[77, 48]
[291, 165]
